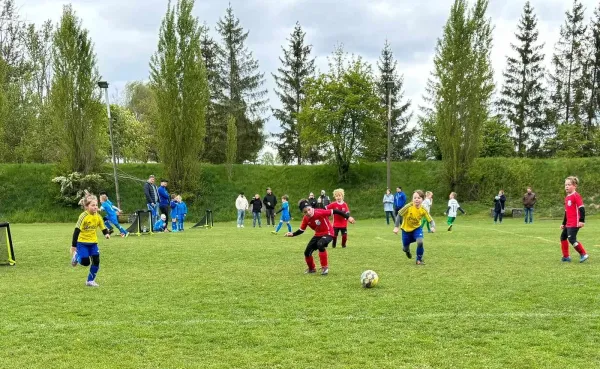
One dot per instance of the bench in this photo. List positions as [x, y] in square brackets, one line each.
[510, 212]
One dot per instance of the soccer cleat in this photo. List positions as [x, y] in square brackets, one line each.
[92, 284]
[583, 258]
[407, 252]
[420, 262]
[274, 232]
[111, 231]
[126, 234]
[343, 246]
[566, 259]
[310, 271]
[449, 227]
[325, 271]
[333, 246]
[74, 259]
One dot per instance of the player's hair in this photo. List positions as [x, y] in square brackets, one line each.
[285, 197]
[303, 200]
[420, 193]
[173, 196]
[574, 180]
[87, 199]
[178, 197]
[428, 193]
[339, 191]
[453, 194]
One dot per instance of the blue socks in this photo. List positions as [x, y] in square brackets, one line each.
[93, 272]
[420, 251]
[278, 226]
[173, 226]
[289, 227]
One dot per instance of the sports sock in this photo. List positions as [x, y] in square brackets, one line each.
[323, 259]
[278, 226]
[289, 227]
[564, 246]
[579, 248]
[334, 243]
[310, 262]
[93, 271]
[174, 226]
[420, 251]
[344, 239]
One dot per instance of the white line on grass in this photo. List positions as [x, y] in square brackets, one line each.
[508, 232]
[273, 321]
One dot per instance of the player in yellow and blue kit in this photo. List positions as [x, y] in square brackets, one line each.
[412, 214]
[85, 242]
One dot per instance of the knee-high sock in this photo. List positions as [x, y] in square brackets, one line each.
[420, 251]
[310, 262]
[289, 227]
[579, 248]
[344, 239]
[93, 271]
[278, 226]
[323, 259]
[173, 226]
[564, 246]
[334, 243]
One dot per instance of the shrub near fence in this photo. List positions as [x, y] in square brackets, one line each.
[28, 195]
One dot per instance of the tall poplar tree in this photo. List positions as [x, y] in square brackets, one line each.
[242, 92]
[592, 74]
[522, 95]
[77, 112]
[178, 77]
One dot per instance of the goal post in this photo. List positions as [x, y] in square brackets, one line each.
[7, 252]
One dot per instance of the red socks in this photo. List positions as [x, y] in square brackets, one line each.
[323, 259]
[580, 249]
[564, 245]
[344, 239]
[310, 262]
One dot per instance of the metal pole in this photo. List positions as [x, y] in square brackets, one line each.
[389, 139]
[112, 144]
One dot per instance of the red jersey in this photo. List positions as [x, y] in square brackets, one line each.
[319, 222]
[572, 204]
[338, 220]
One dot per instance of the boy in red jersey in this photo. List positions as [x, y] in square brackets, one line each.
[573, 220]
[340, 224]
[317, 220]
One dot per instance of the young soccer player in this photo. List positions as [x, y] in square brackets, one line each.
[181, 212]
[161, 224]
[84, 246]
[340, 224]
[573, 220]
[427, 204]
[412, 214]
[317, 220]
[285, 215]
[453, 207]
[112, 215]
[173, 205]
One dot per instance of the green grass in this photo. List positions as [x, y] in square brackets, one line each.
[490, 296]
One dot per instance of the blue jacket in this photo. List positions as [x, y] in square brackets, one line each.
[107, 206]
[163, 196]
[399, 199]
[181, 209]
[174, 209]
[285, 212]
[160, 226]
[388, 202]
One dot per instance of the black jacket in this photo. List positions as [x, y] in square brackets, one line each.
[151, 192]
[256, 205]
[270, 199]
[324, 201]
[499, 203]
[313, 202]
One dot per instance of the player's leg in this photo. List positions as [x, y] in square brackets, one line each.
[279, 225]
[336, 230]
[406, 241]
[344, 236]
[417, 235]
[321, 245]
[308, 258]
[115, 222]
[495, 217]
[180, 223]
[95, 256]
[258, 217]
[289, 226]
[174, 224]
[564, 245]
[572, 237]
[450, 222]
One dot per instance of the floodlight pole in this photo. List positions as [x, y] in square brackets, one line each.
[104, 86]
[389, 85]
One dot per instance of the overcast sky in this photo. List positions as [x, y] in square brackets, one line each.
[125, 32]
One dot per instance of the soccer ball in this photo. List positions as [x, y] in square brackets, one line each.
[369, 279]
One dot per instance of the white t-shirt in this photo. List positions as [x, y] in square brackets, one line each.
[453, 205]
[427, 205]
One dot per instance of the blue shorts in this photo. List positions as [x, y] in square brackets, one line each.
[85, 250]
[410, 237]
[285, 218]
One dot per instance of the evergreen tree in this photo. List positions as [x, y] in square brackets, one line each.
[592, 74]
[242, 96]
[178, 78]
[401, 136]
[567, 83]
[231, 148]
[461, 87]
[522, 95]
[77, 112]
[297, 67]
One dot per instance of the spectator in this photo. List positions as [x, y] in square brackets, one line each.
[242, 205]
[256, 209]
[164, 198]
[270, 201]
[323, 200]
[388, 206]
[152, 198]
[529, 201]
[312, 201]
[399, 201]
[499, 208]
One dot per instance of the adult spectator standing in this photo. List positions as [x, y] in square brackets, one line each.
[152, 199]
[164, 199]
[399, 201]
[499, 208]
[323, 200]
[270, 201]
[388, 206]
[241, 203]
[312, 201]
[529, 201]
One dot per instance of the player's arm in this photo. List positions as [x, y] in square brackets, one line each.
[461, 209]
[447, 210]
[582, 214]
[404, 209]
[341, 213]
[75, 237]
[564, 222]
[279, 211]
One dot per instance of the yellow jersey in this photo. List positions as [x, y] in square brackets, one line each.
[88, 224]
[412, 217]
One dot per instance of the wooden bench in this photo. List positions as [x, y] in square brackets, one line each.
[510, 212]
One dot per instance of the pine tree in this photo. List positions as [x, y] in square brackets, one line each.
[178, 78]
[297, 67]
[401, 136]
[243, 96]
[567, 82]
[231, 148]
[77, 112]
[522, 95]
[592, 75]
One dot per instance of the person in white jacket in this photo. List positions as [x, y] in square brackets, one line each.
[241, 204]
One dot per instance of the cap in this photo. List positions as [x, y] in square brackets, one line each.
[163, 217]
[302, 204]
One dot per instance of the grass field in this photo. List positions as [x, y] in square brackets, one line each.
[490, 296]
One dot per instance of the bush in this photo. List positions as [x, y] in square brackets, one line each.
[73, 186]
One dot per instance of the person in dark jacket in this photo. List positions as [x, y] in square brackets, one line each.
[152, 199]
[529, 201]
[312, 201]
[270, 201]
[323, 200]
[499, 208]
[256, 209]
[164, 198]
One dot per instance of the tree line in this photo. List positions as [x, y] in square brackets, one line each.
[205, 99]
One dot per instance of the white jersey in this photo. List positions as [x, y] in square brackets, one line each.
[453, 205]
[427, 205]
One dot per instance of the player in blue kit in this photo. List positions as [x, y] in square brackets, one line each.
[285, 215]
[112, 215]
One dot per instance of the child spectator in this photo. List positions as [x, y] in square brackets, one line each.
[340, 223]
[161, 224]
[256, 209]
[181, 212]
[241, 205]
[173, 205]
